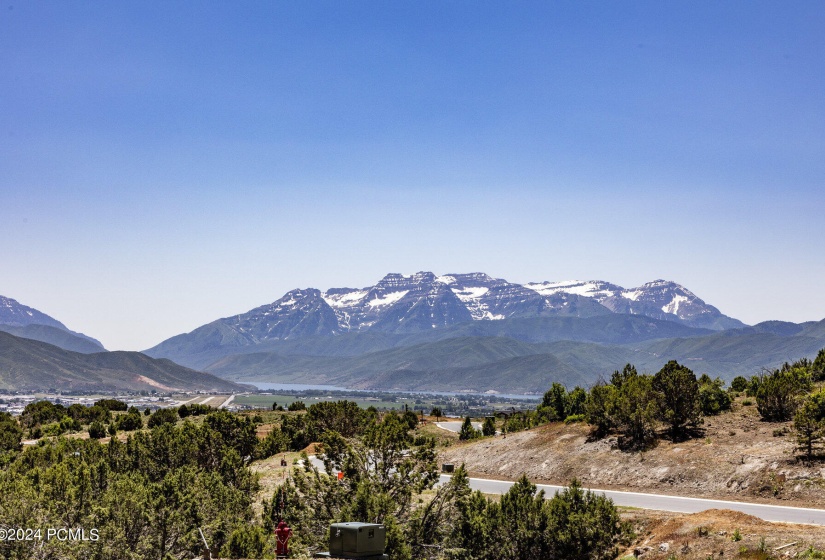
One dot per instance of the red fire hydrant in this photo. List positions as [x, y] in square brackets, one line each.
[282, 534]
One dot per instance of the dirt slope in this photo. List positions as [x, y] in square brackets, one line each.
[719, 534]
[739, 457]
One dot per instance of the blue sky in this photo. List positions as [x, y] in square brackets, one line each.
[163, 164]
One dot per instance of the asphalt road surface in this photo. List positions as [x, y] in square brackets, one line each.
[455, 426]
[767, 512]
[672, 503]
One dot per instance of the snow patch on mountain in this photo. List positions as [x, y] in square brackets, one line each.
[470, 293]
[447, 279]
[387, 299]
[595, 289]
[632, 295]
[346, 299]
[673, 306]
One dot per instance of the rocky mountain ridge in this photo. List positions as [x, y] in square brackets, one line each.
[25, 321]
[423, 301]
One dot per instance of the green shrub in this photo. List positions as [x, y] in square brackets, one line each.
[739, 384]
[573, 418]
[97, 430]
[163, 416]
[130, 421]
[274, 442]
[112, 405]
[248, 541]
[11, 435]
[713, 399]
[779, 393]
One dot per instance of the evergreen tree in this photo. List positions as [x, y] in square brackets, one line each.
[575, 402]
[599, 408]
[11, 435]
[489, 426]
[779, 393]
[554, 404]
[713, 399]
[583, 525]
[678, 394]
[635, 411]
[809, 424]
[467, 430]
[739, 384]
[97, 430]
[619, 377]
[163, 416]
[818, 366]
[572, 524]
[130, 421]
[344, 417]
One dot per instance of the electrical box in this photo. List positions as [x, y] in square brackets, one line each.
[356, 540]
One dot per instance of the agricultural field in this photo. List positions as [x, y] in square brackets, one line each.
[451, 405]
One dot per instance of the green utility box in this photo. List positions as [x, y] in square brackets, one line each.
[356, 540]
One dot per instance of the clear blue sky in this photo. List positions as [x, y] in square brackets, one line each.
[164, 164]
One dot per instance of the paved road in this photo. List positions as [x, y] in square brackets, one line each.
[661, 502]
[455, 426]
[672, 503]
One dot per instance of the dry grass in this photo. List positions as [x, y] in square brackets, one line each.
[718, 534]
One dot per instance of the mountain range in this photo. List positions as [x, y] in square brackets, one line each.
[454, 332]
[27, 322]
[38, 353]
[474, 332]
[423, 302]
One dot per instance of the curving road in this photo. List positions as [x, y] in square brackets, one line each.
[455, 426]
[680, 504]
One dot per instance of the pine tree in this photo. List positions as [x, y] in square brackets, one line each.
[467, 430]
[489, 426]
[809, 423]
[678, 392]
[818, 367]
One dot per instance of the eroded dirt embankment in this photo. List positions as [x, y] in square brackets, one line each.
[738, 457]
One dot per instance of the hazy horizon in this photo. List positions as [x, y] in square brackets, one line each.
[165, 165]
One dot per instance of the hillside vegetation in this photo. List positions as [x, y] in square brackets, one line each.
[29, 365]
[670, 433]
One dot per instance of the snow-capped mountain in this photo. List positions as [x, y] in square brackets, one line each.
[15, 314]
[423, 301]
[27, 322]
[298, 313]
[595, 289]
[662, 299]
[398, 303]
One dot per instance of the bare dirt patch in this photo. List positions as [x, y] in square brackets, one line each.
[718, 534]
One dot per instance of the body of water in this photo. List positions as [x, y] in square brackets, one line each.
[295, 387]
[301, 387]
